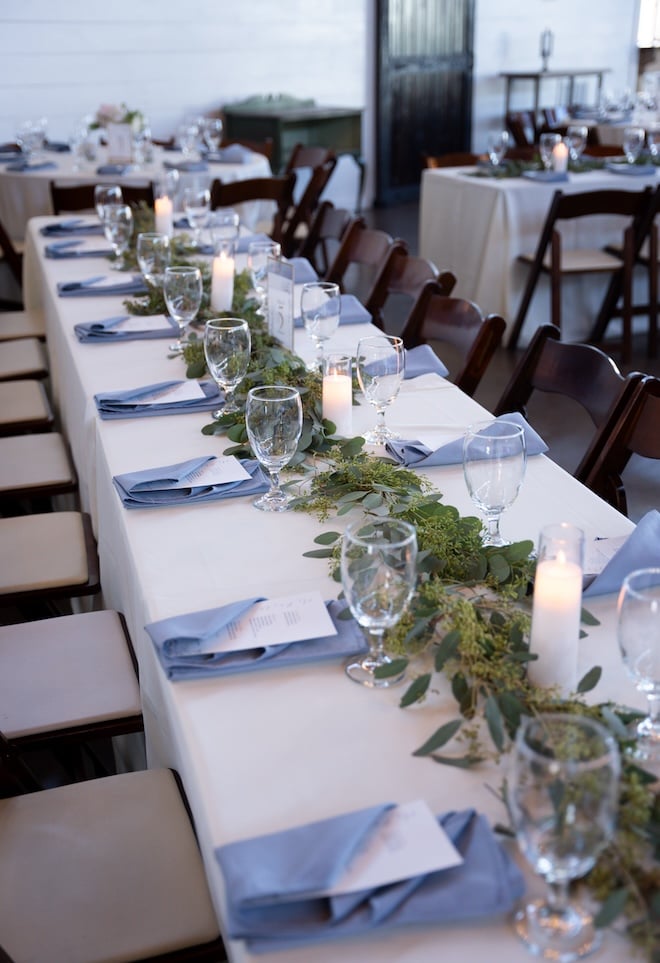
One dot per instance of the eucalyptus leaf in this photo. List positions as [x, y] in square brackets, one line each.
[590, 680]
[459, 762]
[439, 738]
[588, 618]
[327, 538]
[416, 691]
[494, 721]
[447, 649]
[612, 908]
[318, 553]
[395, 667]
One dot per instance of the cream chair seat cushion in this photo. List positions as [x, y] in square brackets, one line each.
[23, 358]
[34, 461]
[42, 551]
[22, 402]
[22, 324]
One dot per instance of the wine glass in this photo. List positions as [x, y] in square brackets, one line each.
[547, 143]
[320, 306]
[224, 226]
[153, 256]
[182, 288]
[227, 344]
[273, 419]
[197, 205]
[494, 462]
[106, 194]
[258, 254]
[212, 133]
[653, 141]
[633, 141]
[639, 640]
[378, 574]
[498, 142]
[381, 363]
[563, 797]
[118, 229]
[576, 141]
[188, 138]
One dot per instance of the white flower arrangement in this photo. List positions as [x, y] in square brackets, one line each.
[117, 114]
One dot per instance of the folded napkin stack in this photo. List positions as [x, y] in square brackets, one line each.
[126, 404]
[57, 146]
[352, 312]
[640, 550]
[632, 170]
[232, 154]
[24, 166]
[186, 166]
[72, 227]
[273, 882]
[546, 177]
[117, 169]
[419, 455]
[180, 641]
[109, 330]
[99, 286]
[61, 250]
[158, 487]
[423, 360]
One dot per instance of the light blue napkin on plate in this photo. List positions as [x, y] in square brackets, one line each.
[178, 640]
[640, 550]
[60, 250]
[423, 360]
[352, 312]
[271, 882]
[418, 455]
[23, 166]
[71, 227]
[244, 242]
[113, 169]
[113, 405]
[632, 170]
[155, 487]
[231, 154]
[186, 167]
[303, 272]
[134, 284]
[548, 177]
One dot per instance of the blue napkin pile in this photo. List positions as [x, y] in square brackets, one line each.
[125, 404]
[640, 550]
[60, 250]
[418, 455]
[632, 170]
[117, 169]
[231, 154]
[547, 177]
[178, 641]
[186, 166]
[21, 166]
[352, 312]
[272, 882]
[109, 330]
[133, 284]
[154, 487]
[57, 146]
[70, 228]
[302, 270]
[243, 243]
[423, 360]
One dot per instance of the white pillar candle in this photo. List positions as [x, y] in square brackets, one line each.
[222, 282]
[337, 394]
[164, 215]
[560, 157]
[555, 629]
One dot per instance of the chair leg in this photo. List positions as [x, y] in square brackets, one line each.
[626, 340]
[555, 280]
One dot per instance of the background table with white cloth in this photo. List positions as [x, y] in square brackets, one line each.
[270, 749]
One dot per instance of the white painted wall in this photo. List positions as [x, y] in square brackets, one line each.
[169, 58]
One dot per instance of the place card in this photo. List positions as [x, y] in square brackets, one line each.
[280, 301]
[408, 842]
[220, 470]
[599, 551]
[184, 391]
[152, 322]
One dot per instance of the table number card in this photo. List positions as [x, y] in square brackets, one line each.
[280, 301]
[120, 143]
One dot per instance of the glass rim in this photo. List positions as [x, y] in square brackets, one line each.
[477, 427]
[394, 339]
[273, 392]
[323, 285]
[182, 269]
[152, 235]
[219, 323]
[263, 246]
[651, 572]
[610, 747]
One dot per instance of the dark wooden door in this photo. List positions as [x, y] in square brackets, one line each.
[423, 88]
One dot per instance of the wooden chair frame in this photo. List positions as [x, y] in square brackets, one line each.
[277, 189]
[80, 197]
[329, 225]
[301, 215]
[406, 276]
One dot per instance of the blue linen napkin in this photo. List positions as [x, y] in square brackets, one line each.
[632, 170]
[244, 242]
[124, 404]
[352, 312]
[57, 146]
[423, 360]
[60, 250]
[271, 882]
[178, 640]
[548, 177]
[186, 167]
[231, 154]
[100, 332]
[640, 550]
[419, 455]
[22, 166]
[118, 169]
[302, 270]
[8, 157]
[71, 227]
[154, 487]
[78, 289]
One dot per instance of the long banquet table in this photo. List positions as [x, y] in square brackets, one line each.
[476, 226]
[275, 748]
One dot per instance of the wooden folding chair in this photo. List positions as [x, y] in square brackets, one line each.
[364, 260]
[24, 407]
[326, 231]
[405, 278]
[523, 127]
[307, 155]
[276, 189]
[300, 216]
[80, 197]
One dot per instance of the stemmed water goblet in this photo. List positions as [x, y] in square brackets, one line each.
[258, 254]
[197, 205]
[118, 229]
[547, 143]
[633, 141]
[378, 575]
[106, 194]
[182, 288]
[320, 307]
[227, 345]
[273, 419]
[494, 462]
[638, 629]
[381, 363]
[212, 133]
[562, 793]
[153, 256]
[576, 141]
[498, 142]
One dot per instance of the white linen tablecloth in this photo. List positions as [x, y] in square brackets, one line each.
[267, 750]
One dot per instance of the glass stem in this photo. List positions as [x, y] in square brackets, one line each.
[493, 526]
[274, 478]
[654, 712]
[376, 650]
[558, 896]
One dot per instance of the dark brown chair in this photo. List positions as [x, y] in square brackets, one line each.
[460, 324]
[603, 150]
[304, 155]
[80, 197]
[522, 127]
[300, 216]
[554, 259]
[451, 159]
[364, 260]
[12, 257]
[276, 189]
[580, 372]
[634, 432]
[406, 277]
[326, 231]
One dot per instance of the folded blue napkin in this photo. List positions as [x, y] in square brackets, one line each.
[352, 312]
[8, 157]
[186, 167]
[57, 146]
[134, 284]
[125, 404]
[22, 166]
[113, 169]
[177, 641]
[60, 250]
[154, 487]
[302, 270]
[231, 154]
[271, 882]
[419, 455]
[243, 243]
[423, 360]
[548, 177]
[640, 550]
[71, 227]
[633, 170]
[109, 330]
